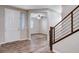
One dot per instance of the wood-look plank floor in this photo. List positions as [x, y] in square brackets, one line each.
[38, 44]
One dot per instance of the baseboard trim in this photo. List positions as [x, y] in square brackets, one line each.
[38, 34]
[13, 41]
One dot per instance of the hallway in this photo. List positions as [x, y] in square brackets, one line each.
[38, 44]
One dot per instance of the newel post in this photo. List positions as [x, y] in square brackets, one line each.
[50, 38]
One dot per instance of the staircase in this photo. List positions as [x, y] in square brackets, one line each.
[65, 28]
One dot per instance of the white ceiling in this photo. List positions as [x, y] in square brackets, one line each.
[56, 8]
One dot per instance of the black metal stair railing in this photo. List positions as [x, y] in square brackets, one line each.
[66, 27]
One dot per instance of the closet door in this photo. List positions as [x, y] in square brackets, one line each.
[12, 24]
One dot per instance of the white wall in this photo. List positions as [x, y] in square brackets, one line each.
[54, 17]
[35, 26]
[2, 30]
[44, 25]
[66, 9]
[69, 44]
[38, 25]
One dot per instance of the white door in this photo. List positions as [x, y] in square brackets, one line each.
[12, 20]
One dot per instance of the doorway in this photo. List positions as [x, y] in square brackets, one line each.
[38, 29]
[38, 23]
